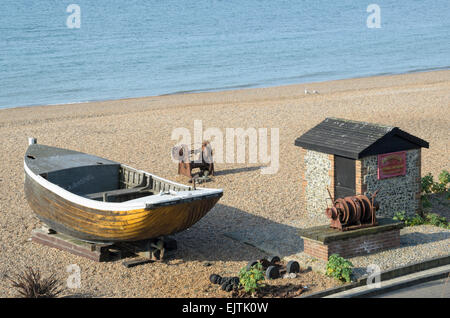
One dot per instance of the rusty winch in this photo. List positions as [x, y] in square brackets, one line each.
[189, 159]
[353, 212]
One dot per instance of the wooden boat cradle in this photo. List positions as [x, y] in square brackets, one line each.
[132, 253]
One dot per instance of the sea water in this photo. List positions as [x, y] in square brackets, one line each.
[113, 49]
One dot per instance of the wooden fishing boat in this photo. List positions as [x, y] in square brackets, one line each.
[98, 200]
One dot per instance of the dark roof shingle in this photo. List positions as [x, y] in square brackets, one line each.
[355, 139]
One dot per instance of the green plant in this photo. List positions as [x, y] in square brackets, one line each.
[444, 179]
[427, 183]
[416, 220]
[250, 279]
[409, 221]
[437, 220]
[30, 284]
[429, 186]
[429, 218]
[400, 216]
[339, 268]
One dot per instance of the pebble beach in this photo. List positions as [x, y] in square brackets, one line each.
[138, 133]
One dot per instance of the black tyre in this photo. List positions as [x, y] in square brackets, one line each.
[219, 280]
[213, 278]
[272, 272]
[273, 260]
[293, 267]
[250, 264]
[265, 263]
[226, 280]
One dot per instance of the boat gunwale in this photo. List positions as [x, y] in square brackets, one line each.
[153, 201]
[111, 231]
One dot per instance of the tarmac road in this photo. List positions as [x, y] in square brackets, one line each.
[435, 289]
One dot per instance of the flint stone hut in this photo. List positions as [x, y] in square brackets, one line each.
[351, 157]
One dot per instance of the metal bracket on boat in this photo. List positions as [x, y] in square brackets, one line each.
[170, 192]
[153, 250]
[158, 248]
[32, 141]
[200, 179]
[149, 251]
[47, 230]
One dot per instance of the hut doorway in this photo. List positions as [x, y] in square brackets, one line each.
[344, 171]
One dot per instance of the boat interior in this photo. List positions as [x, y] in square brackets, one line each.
[93, 177]
[112, 183]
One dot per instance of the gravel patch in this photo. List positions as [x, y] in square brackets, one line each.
[138, 131]
[417, 244]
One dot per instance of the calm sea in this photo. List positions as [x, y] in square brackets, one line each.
[141, 48]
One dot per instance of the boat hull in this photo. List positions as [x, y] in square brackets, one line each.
[98, 225]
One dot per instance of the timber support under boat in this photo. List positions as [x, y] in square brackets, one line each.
[133, 253]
